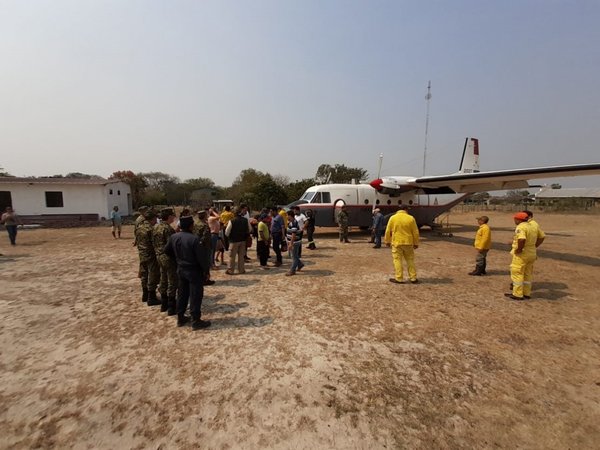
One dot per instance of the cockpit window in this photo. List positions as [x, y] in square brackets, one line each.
[307, 196]
[317, 197]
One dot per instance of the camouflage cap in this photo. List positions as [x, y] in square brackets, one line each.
[167, 212]
[149, 214]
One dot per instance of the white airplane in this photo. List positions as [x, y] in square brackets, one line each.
[427, 196]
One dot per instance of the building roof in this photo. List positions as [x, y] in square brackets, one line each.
[57, 180]
[569, 193]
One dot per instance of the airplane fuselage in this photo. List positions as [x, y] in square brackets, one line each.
[360, 199]
[428, 196]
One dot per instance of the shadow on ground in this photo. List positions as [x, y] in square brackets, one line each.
[318, 273]
[237, 282]
[12, 258]
[549, 254]
[239, 322]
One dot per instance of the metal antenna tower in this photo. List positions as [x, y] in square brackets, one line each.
[428, 98]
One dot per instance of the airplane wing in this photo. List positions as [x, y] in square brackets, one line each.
[480, 181]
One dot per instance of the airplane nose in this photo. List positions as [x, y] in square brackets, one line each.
[376, 184]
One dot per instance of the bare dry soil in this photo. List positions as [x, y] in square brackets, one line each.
[335, 357]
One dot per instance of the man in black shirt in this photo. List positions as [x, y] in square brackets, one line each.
[238, 230]
[192, 265]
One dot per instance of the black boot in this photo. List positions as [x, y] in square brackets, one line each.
[152, 300]
[182, 320]
[172, 306]
[144, 295]
[198, 324]
[164, 302]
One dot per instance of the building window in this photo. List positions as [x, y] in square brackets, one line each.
[119, 192]
[366, 201]
[110, 191]
[5, 200]
[399, 202]
[54, 199]
[377, 202]
[389, 202]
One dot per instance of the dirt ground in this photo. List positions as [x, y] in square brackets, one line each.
[336, 357]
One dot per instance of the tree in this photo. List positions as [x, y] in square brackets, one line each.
[158, 180]
[478, 198]
[258, 189]
[3, 173]
[517, 197]
[161, 188]
[199, 183]
[267, 193]
[297, 188]
[241, 191]
[340, 174]
[136, 183]
[82, 175]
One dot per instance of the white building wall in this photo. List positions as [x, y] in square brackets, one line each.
[120, 196]
[30, 199]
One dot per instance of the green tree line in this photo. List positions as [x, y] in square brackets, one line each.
[251, 186]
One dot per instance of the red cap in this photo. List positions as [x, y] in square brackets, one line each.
[521, 216]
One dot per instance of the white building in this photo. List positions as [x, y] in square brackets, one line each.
[584, 197]
[64, 198]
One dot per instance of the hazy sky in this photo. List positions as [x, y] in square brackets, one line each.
[209, 88]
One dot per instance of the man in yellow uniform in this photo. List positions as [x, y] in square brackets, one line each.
[483, 243]
[540, 235]
[523, 256]
[402, 235]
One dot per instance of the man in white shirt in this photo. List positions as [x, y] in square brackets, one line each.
[302, 222]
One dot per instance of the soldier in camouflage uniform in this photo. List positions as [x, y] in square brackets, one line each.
[139, 219]
[202, 230]
[168, 267]
[343, 223]
[149, 270]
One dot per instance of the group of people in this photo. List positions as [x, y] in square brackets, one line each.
[177, 257]
[174, 259]
[527, 238]
[402, 235]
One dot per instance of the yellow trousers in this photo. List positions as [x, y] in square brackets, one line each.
[406, 252]
[521, 274]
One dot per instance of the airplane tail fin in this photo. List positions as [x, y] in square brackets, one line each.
[470, 157]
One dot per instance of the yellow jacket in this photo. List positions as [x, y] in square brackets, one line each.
[225, 217]
[537, 231]
[283, 215]
[524, 231]
[402, 230]
[483, 238]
